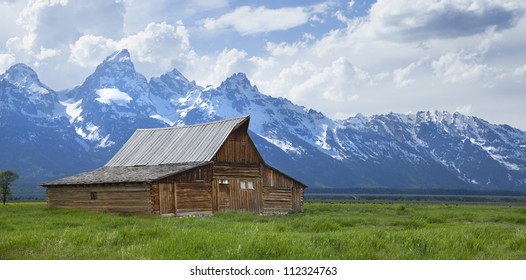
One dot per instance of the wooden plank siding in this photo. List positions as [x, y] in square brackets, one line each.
[194, 199]
[154, 198]
[277, 200]
[238, 148]
[281, 194]
[123, 197]
[187, 193]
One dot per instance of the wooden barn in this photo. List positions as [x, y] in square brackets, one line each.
[188, 170]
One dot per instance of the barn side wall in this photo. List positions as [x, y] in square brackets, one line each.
[187, 193]
[281, 194]
[124, 197]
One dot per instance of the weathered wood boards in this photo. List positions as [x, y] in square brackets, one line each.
[132, 198]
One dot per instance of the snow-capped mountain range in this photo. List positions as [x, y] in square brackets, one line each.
[47, 134]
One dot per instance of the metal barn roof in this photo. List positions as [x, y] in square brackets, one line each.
[194, 143]
[126, 174]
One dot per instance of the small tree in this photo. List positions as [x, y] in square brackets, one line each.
[6, 179]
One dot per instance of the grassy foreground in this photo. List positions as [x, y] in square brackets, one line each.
[324, 231]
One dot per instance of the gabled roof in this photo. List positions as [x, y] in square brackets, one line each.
[126, 174]
[193, 143]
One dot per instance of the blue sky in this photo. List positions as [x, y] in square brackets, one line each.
[338, 57]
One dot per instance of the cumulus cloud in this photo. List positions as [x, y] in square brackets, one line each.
[90, 50]
[288, 49]
[459, 67]
[225, 63]
[249, 20]
[6, 60]
[336, 82]
[54, 22]
[156, 49]
[401, 75]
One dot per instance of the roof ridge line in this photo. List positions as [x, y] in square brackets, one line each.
[193, 125]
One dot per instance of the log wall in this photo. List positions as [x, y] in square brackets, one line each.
[125, 197]
[281, 194]
[277, 200]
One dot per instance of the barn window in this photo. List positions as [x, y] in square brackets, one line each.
[93, 195]
[200, 175]
[246, 185]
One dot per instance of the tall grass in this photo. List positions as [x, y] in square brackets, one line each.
[324, 231]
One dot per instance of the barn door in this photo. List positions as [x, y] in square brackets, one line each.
[247, 195]
[223, 197]
[167, 198]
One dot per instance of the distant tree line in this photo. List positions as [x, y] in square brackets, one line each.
[414, 191]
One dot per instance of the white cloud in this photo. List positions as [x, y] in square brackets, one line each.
[464, 110]
[350, 4]
[152, 44]
[139, 12]
[47, 53]
[281, 48]
[90, 50]
[459, 67]
[520, 71]
[155, 50]
[288, 49]
[336, 82]
[224, 65]
[58, 22]
[249, 20]
[6, 60]
[401, 75]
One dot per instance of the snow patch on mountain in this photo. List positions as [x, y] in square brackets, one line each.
[164, 119]
[285, 145]
[113, 95]
[119, 56]
[38, 89]
[73, 109]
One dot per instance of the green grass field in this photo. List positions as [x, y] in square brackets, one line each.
[324, 231]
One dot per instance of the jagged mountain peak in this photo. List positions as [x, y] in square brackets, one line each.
[24, 93]
[171, 85]
[23, 76]
[119, 56]
[238, 83]
[117, 64]
[116, 72]
[176, 75]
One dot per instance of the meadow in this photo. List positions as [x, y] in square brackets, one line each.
[324, 231]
